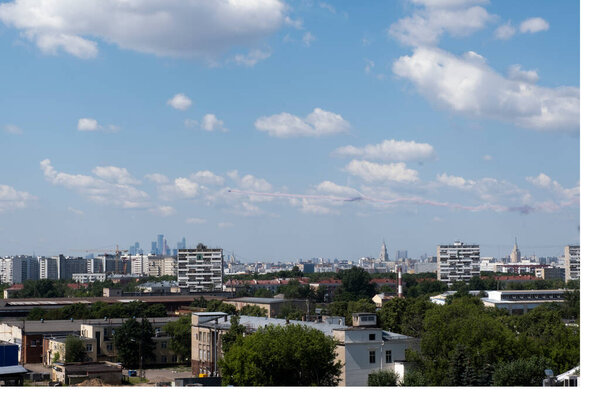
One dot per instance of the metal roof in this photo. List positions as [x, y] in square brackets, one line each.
[13, 369]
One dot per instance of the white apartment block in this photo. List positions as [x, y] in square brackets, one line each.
[457, 262]
[19, 269]
[572, 261]
[162, 265]
[200, 269]
[89, 277]
[139, 264]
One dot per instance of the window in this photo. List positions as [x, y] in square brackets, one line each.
[163, 345]
[88, 348]
[174, 359]
[371, 357]
[109, 346]
[388, 356]
[163, 359]
[371, 336]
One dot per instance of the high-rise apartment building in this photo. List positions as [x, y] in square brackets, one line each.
[48, 267]
[67, 266]
[160, 266]
[19, 269]
[457, 262]
[160, 244]
[200, 269]
[572, 261]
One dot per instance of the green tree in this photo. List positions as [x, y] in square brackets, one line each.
[521, 372]
[131, 338]
[180, 332]
[235, 332]
[290, 355]
[199, 303]
[253, 311]
[383, 377]
[74, 349]
[262, 292]
[404, 315]
[356, 284]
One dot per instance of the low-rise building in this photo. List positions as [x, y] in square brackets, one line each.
[74, 373]
[272, 306]
[54, 349]
[363, 348]
[521, 301]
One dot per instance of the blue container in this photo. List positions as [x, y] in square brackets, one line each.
[9, 354]
[132, 372]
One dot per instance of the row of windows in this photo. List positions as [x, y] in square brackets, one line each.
[388, 356]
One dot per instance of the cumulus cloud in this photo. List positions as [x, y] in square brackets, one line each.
[516, 73]
[534, 25]
[116, 175]
[252, 57]
[91, 125]
[505, 31]
[184, 187]
[207, 178]
[335, 189]
[455, 181]
[434, 18]
[375, 172]
[469, 86]
[250, 182]
[389, 150]
[87, 124]
[12, 129]
[106, 188]
[12, 199]
[179, 28]
[210, 123]
[317, 123]
[180, 102]
[545, 182]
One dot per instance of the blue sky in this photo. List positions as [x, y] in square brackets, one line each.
[442, 120]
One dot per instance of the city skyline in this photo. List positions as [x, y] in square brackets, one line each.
[316, 133]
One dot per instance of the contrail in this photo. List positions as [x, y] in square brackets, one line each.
[411, 199]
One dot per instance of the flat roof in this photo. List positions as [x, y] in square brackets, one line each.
[62, 325]
[258, 300]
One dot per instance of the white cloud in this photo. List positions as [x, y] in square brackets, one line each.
[191, 123]
[163, 211]
[308, 38]
[12, 199]
[87, 124]
[369, 66]
[373, 172]
[455, 181]
[116, 175]
[311, 207]
[327, 7]
[534, 25]
[517, 74]
[295, 23]
[389, 150]
[250, 182]
[180, 102]
[99, 190]
[12, 129]
[335, 189]
[175, 28]
[197, 221]
[210, 123]
[317, 123]
[91, 125]
[426, 25]
[545, 182]
[223, 225]
[157, 178]
[252, 58]
[186, 187]
[207, 177]
[505, 31]
[471, 87]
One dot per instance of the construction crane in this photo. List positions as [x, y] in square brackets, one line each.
[107, 252]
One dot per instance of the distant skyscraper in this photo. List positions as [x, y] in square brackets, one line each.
[515, 255]
[181, 245]
[457, 262]
[401, 254]
[160, 242]
[383, 254]
[154, 248]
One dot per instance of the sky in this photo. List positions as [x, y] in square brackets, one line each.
[280, 130]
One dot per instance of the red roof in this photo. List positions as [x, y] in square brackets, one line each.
[329, 282]
[16, 286]
[76, 285]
